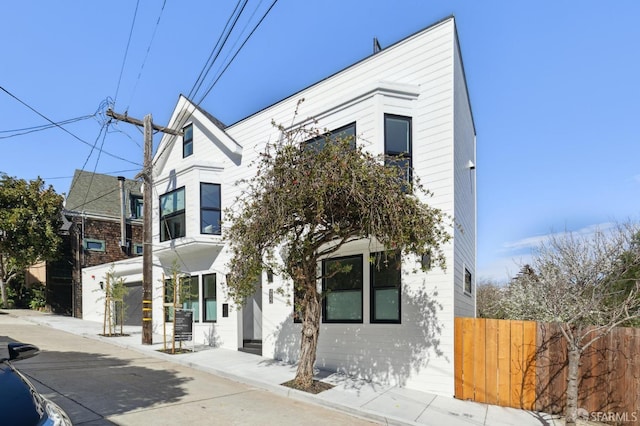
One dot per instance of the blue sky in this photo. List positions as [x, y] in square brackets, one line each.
[554, 89]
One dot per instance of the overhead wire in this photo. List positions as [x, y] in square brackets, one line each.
[33, 129]
[185, 113]
[126, 51]
[238, 51]
[65, 130]
[144, 61]
[222, 40]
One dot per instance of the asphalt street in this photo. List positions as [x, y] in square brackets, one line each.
[97, 383]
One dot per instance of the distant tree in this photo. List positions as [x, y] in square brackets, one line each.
[573, 287]
[29, 224]
[489, 299]
[307, 201]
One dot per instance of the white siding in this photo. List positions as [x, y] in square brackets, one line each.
[419, 77]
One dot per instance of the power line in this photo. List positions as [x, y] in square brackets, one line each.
[126, 51]
[116, 172]
[65, 130]
[238, 51]
[33, 129]
[146, 54]
[222, 40]
[182, 116]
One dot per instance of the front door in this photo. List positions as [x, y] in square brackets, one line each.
[252, 316]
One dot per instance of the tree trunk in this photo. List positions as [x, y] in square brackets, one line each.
[572, 387]
[309, 338]
[3, 291]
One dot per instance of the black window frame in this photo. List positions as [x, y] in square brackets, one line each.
[326, 291]
[137, 206]
[205, 298]
[467, 279]
[194, 282]
[382, 262]
[392, 156]
[165, 234]
[217, 229]
[318, 142]
[187, 141]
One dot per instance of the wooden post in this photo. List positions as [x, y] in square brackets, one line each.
[147, 251]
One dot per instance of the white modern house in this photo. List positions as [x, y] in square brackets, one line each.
[409, 98]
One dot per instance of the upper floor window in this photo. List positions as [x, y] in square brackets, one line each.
[344, 132]
[385, 287]
[91, 244]
[187, 141]
[397, 144]
[210, 211]
[342, 284]
[136, 206]
[172, 215]
[468, 281]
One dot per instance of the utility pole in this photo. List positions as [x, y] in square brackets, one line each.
[147, 251]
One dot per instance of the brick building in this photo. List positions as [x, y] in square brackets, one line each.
[102, 225]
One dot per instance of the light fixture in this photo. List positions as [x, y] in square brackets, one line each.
[471, 165]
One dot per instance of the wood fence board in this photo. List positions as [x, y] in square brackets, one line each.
[504, 361]
[517, 370]
[467, 359]
[457, 355]
[542, 367]
[491, 361]
[479, 356]
[529, 360]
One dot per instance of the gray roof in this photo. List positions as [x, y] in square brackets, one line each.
[99, 194]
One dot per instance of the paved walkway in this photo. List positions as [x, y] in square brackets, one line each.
[384, 404]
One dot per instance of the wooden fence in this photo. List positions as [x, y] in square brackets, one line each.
[523, 364]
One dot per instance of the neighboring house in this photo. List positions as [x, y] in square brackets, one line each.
[409, 98]
[102, 224]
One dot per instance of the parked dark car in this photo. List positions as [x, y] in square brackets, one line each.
[20, 402]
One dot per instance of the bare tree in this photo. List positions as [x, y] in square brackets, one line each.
[576, 281]
[489, 299]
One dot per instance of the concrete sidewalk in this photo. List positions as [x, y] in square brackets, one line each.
[380, 403]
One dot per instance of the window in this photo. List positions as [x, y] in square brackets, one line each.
[187, 141]
[348, 131]
[397, 144]
[467, 281]
[210, 309]
[94, 245]
[343, 286]
[210, 216]
[172, 216]
[189, 296]
[136, 207]
[168, 299]
[385, 287]
[138, 249]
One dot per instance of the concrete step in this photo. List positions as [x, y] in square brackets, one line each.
[252, 347]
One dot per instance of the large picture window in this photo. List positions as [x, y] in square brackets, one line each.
[342, 285]
[397, 144]
[172, 215]
[348, 131]
[189, 297]
[187, 141]
[385, 287]
[210, 211]
[210, 309]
